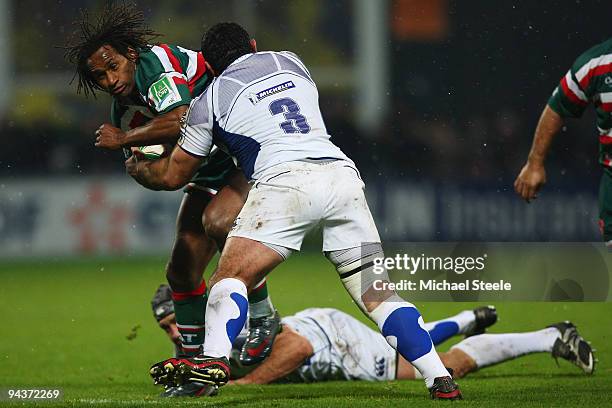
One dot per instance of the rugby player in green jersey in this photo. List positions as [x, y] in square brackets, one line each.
[589, 80]
[151, 88]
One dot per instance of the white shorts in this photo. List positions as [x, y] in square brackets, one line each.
[292, 198]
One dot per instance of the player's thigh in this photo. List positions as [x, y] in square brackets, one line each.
[245, 259]
[605, 208]
[223, 209]
[277, 212]
[348, 221]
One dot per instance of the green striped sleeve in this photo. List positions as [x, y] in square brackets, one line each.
[569, 99]
[164, 90]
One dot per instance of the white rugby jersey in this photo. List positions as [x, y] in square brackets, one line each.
[344, 348]
[264, 110]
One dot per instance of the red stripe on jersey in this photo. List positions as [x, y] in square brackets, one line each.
[607, 106]
[200, 70]
[570, 94]
[137, 120]
[173, 60]
[179, 81]
[260, 286]
[600, 70]
[606, 140]
[190, 329]
[607, 162]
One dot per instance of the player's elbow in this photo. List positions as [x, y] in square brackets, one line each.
[172, 121]
[289, 342]
[304, 347]
[173, 182]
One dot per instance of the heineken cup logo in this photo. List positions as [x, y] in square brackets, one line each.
[162, 91]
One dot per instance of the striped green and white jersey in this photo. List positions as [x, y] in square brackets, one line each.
[589, 80]
[167, 76]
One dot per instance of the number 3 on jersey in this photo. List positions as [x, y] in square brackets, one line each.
[295, 123]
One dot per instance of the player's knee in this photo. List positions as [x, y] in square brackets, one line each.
[459, 362]
[227, 271]
[248, 278]
[217, 226]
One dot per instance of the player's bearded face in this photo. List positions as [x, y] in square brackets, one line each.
[113, 72]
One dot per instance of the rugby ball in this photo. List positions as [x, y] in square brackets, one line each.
[152, 152]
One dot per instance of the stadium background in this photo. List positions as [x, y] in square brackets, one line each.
[435, 100]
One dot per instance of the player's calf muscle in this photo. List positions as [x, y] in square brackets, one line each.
[372, 298]
[190, 255]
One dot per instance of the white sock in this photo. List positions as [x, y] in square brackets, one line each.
[463, 319]
[263, 308]
[489, 349]
[226, 314]
[430, 366]
[402, 325]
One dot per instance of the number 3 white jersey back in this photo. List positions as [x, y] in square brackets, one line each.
[264, 110]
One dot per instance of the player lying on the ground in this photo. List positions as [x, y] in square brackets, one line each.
[263, 107]
[327, 344]
[151, 88]
[586, 82]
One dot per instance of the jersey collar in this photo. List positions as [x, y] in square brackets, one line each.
[239, 59]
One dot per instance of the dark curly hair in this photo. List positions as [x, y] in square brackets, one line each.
[223, 43]
[121, 26]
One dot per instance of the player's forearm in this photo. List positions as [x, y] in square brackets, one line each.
[160, 130]
[289, 352]
[549, 125]
[152, 174]
[273, 369]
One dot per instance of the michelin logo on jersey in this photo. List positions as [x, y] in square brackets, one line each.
[257, 97]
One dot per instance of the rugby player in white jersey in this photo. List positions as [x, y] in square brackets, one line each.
[324, 344]
[263, 108]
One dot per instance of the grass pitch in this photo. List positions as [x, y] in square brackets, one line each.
[85, 326]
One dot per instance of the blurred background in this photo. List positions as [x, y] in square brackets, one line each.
[435, 100]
